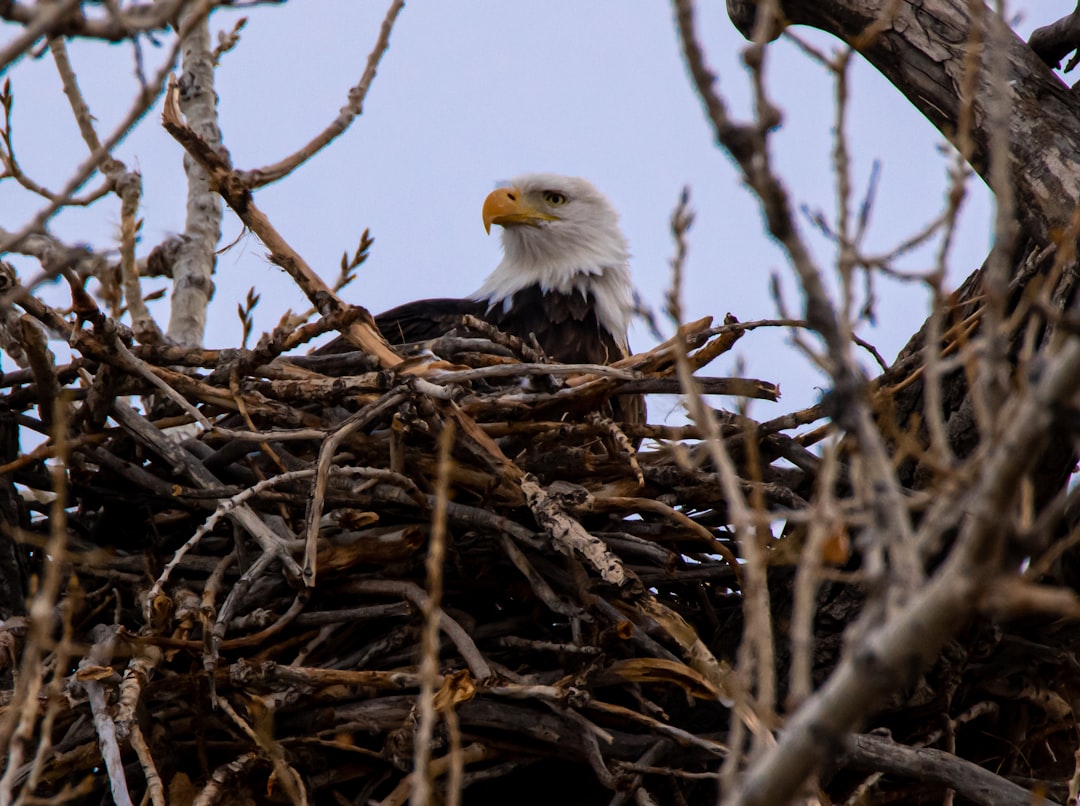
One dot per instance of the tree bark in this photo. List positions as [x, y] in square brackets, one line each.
[194, 265]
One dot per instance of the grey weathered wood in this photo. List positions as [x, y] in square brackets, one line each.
[1055, 41]
[970, 781]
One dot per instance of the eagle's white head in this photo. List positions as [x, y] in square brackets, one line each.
[561, 233]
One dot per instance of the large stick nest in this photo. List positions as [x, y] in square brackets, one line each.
[240, 577]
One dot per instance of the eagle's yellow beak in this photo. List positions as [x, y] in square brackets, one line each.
[508, 206]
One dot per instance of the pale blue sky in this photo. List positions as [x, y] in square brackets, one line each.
[471, 93]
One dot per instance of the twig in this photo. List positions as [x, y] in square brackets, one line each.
[287, 776]
[46, 19]
[361, 419]
[974, 783]
[17, 725]
[86, 169]
[755, 651]
[363, 333]
[479, 667]
[154, 785]
[429, 644]
[99, 657]
[223, 509]
[914, 634]
[271, 173]
[182, 460]
[568, 535]
[746, 146]
[212, 792]
[659, 507]
[525, 370]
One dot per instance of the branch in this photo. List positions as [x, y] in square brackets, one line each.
[927, 765]
[363, 333]
[128, 186]
[120, 24]
[850, 404]
[1055, 41]
[41, 20]
[195, 260]
[889, 655]
[921, 49]
[352, 110]
[145, 99]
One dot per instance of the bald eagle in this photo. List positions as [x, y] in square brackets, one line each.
[564, 276]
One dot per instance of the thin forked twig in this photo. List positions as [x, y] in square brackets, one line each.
[258, 177]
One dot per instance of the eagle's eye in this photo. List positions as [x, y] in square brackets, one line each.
[554, 198]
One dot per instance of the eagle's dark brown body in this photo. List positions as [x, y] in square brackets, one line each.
[565, 325]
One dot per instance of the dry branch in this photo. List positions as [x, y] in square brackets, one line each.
[237, 195]
[921, 47]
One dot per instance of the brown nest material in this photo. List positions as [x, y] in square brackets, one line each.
[376, 577]
[308, 579]
[244, 573]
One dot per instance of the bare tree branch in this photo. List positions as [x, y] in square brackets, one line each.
[363, 333]
[194, 263]
[116, 26]
[144, 100]
[1044, 131]
[257, 177]
[971, 781]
